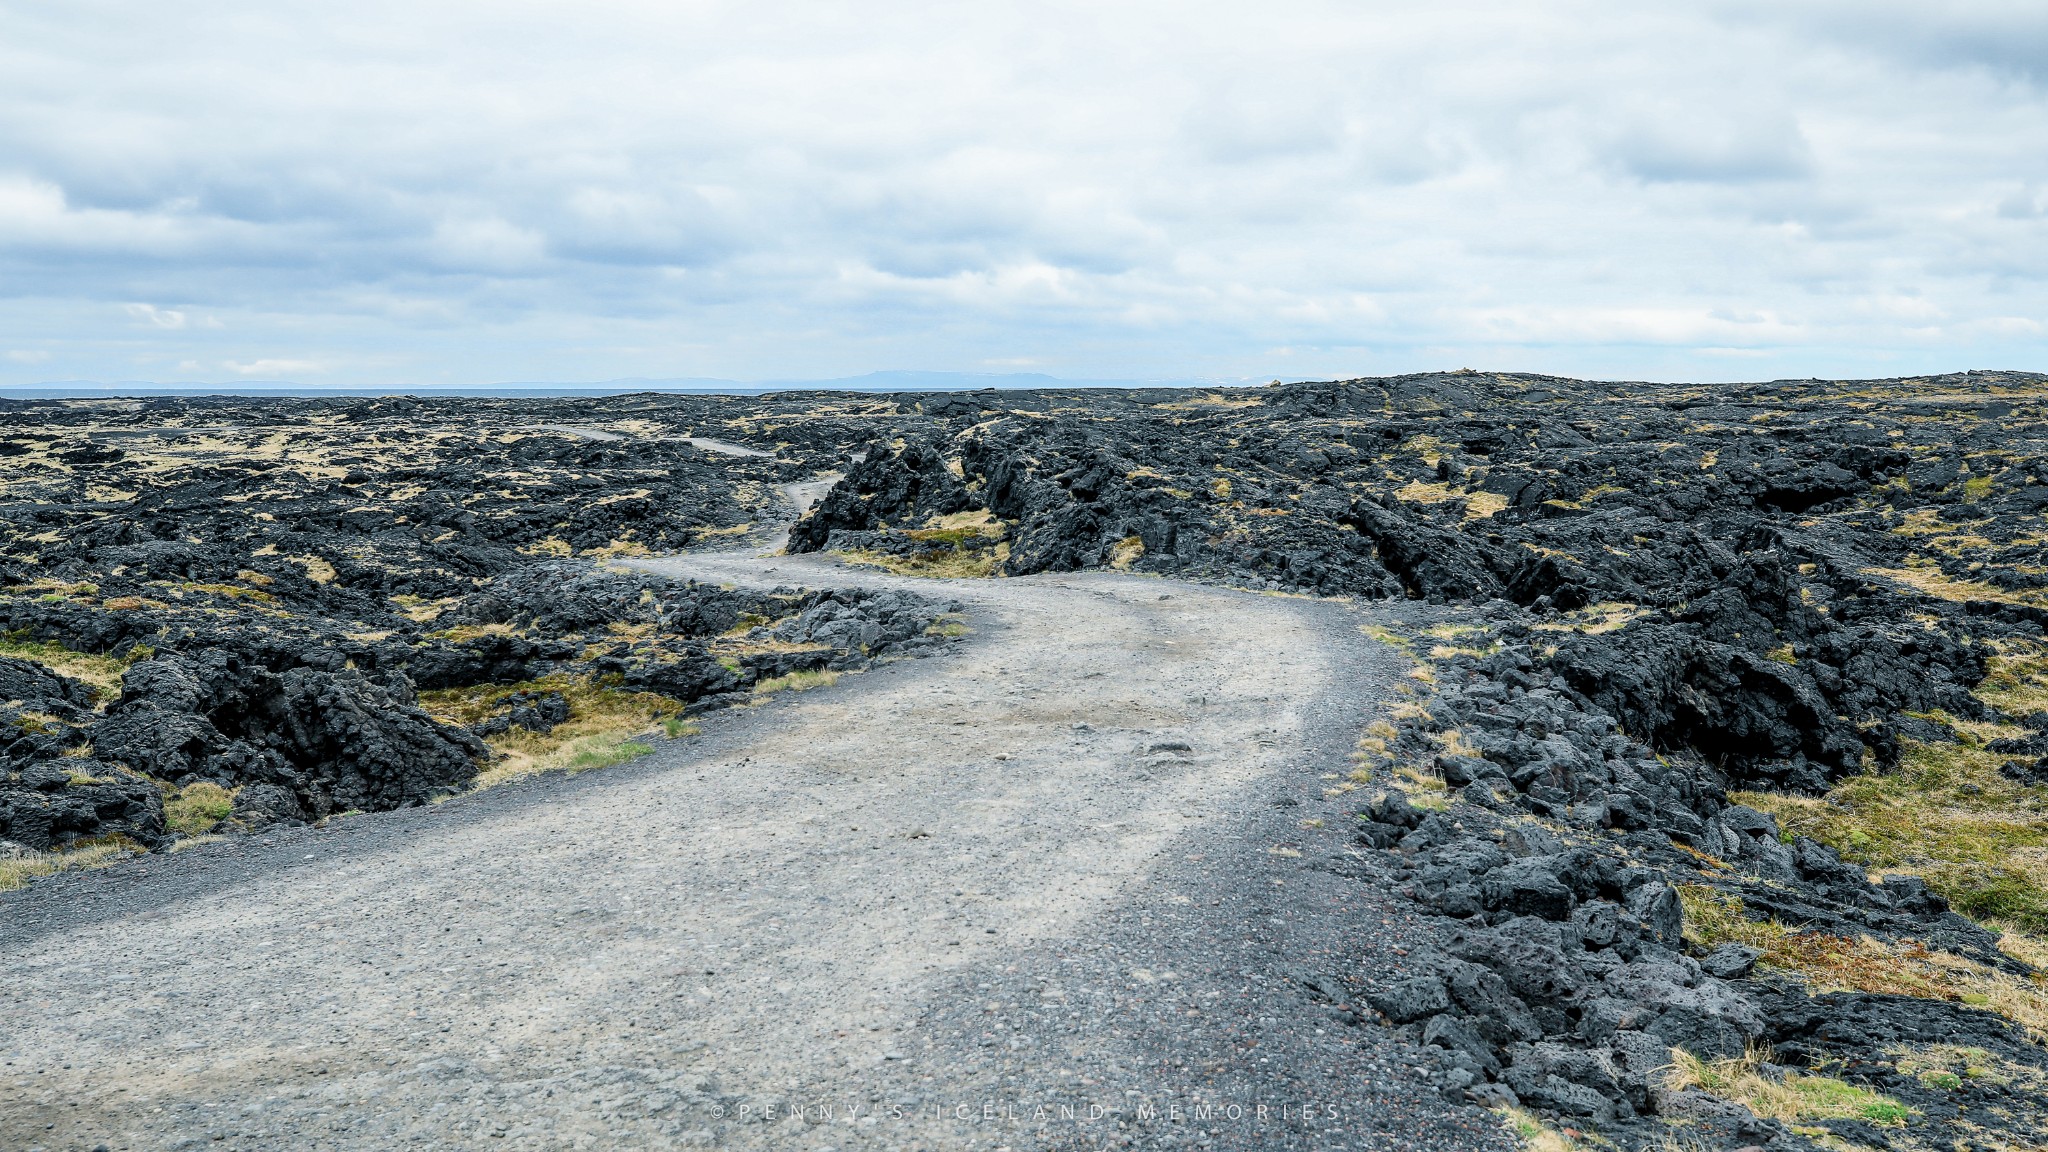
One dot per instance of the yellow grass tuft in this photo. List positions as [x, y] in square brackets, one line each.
[1791, 1098]
[796, 682]
[16, 871]
[101, 673]
[197, 808]
[603, 719]
[1831, 963]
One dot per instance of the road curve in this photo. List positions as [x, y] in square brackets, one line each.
[1059, 887]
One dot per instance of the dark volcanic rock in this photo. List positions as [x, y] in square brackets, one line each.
[54, 804]
[903, 489]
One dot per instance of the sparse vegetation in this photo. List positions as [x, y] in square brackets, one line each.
[1925, 576]
[102, 673]
[796, 682]
[1830, 963]
[197, 808]
[602, 720]
[600, 752]
[1946, 814]
[2016, 678]
[18, 870]
[1787, 1096]
[1533, 1134]
[948, 564]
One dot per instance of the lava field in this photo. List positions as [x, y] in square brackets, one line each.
[1724, 734]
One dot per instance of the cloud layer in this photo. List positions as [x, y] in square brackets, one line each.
[379, 192]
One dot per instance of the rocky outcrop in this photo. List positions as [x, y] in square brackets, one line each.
[53, 804]
[1566, 978]
[904, 489]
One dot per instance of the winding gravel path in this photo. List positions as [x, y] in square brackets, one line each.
[1059, 887]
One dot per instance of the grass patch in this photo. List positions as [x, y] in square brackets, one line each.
[1386, 636]
[1946, 814]
[1891, 968]
[796, 682]
[1425, 789]
[953, 564]
[1595, 619]
[2015, 679]
[1950, 1066]
[603, 719]
[948, 625]
[600, 752]
[1128, 551]
[1424, 492]
[960, 527]
[1536, 1136]
[195, 841]
[1481, 505]
[16, 871]
[198, 808]
[101, 673]
[1795, 1097]
[1924, 576]
[463, 632]
[232, 592]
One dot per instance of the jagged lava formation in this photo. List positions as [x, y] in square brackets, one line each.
[221, 615]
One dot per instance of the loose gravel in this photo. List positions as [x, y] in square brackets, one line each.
[1078, 884]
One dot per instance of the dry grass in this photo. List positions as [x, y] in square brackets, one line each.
[960, 525]
[796, 682]
[1128, 551]
[16, 871]
[603, 719]
[232, 592]
[1794, 1097]
[1945, 814]
[1831, 963]
[954, 564]
[1481, 505]
[183, 843]
[1596, 618]
[198, 808]
[1950, 1066]
[1425, 492]
[1425, 788]
[101, 673]
[463, 632]
[1925, 577]
[2016, 678]
[1534, 1135]
[1478, 505]
[1386, 636]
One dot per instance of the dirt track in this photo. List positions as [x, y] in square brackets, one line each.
[1023, 895]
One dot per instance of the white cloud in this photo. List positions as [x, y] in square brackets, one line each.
[273, 367]
[539, 189]
[486, 244]
[157, 317]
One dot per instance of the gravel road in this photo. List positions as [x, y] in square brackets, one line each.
[1066, 886]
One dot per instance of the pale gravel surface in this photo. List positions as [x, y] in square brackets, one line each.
[1051, 889]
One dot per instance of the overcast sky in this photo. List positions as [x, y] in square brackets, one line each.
[448, 191]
